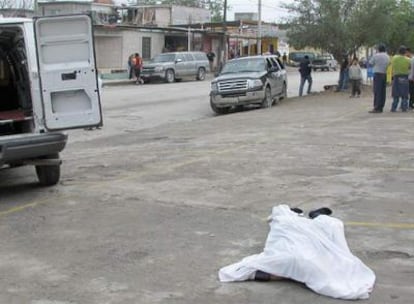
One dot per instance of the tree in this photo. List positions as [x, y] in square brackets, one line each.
[340, 26]
[19, 4]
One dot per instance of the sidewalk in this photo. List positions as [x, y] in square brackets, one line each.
[122, 79]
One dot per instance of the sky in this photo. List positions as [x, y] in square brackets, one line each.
[271, 10]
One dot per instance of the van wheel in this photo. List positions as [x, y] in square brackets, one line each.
[48, 175]
[201, 74]
[219, 110]
[267, 100]
[169, 76]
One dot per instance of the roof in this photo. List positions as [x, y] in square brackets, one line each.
[4, 20]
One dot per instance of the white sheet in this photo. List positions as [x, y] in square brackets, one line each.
[311, 251]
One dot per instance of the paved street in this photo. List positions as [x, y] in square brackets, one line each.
[152, 205]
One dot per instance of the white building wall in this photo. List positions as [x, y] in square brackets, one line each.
[113, 47]
[189, 15]
[163, 16]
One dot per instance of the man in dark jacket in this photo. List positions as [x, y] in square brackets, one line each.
[305, 70]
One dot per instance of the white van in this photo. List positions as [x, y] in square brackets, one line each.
[48, 83]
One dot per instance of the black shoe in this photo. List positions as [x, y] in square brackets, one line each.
[375, 111]
[297, 210]
[316, 212]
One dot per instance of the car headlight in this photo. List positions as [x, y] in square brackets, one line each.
[254, 83]
[159, 69]
[214, 86]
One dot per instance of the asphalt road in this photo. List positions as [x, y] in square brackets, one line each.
[151, 206]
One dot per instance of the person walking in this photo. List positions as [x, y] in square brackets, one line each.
[137, 68]
[355, 75]
[380, 62]
[411, 80]
[305, 70]
[400, 88]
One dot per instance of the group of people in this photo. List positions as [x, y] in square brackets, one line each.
[135, 67]
[348, 73]
[402, 69]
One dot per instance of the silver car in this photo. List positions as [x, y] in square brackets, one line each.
[257, 80]
[175, 66]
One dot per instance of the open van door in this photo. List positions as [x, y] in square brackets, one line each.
[67, 72]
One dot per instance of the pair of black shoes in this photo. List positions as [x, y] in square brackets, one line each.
[314, 213]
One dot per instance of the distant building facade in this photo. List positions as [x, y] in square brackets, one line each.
[120, 31]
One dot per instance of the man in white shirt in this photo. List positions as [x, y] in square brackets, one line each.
[411, 79]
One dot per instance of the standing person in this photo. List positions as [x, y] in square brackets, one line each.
[400, 88]
[343, 75]
[137, 68]
[131, 64]
[284, 58]
[355, 75]
[305, 70]
[380, 62]
[411, 81]
[210, 57]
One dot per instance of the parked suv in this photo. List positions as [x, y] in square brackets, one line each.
[175, 66]
[48, 83]
[257, 80]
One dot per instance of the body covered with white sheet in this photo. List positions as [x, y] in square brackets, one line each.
[311, 251]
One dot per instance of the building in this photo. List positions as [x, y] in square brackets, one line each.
[120, 31]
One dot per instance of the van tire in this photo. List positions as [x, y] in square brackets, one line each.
[169, 76]
[48, 175]
[201, 74]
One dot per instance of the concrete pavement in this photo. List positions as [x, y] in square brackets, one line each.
[150, 216]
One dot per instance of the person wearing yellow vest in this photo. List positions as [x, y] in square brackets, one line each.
[400, 87]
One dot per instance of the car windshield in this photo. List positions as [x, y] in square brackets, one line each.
[164, 58]
[244, 65]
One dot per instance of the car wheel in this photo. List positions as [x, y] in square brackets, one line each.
[219, 110]
[267, 100]
[48, 175]
[169, 76]
[201, 74]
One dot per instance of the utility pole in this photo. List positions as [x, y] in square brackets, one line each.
[223, 53]
[259, 30]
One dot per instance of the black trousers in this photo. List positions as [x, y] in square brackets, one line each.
[356, 87]
[380, 90]
[411, 101]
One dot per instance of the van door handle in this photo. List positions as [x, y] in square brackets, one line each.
[69, 76]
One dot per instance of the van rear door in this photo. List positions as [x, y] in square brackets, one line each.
[67, 72]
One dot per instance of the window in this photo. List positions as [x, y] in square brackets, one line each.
[146, 47]
[188, 57]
